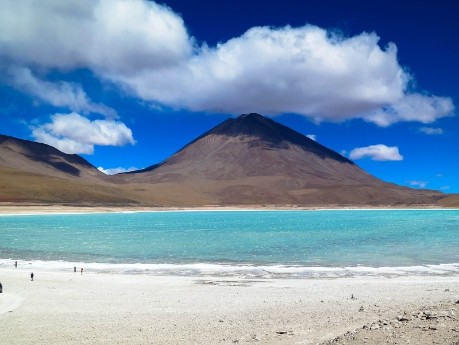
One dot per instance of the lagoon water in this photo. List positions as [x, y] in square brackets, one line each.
[325, 243]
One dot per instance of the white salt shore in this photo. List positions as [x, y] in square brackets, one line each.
[98, 308]
[15, 209]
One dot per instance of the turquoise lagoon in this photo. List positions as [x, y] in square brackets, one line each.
[275, 244]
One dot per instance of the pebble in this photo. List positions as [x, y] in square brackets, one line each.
[403, 317]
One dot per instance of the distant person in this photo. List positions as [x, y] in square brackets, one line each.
[31, 276]
[74, 269]
[16, 264]
[81, 270]
[1, 288]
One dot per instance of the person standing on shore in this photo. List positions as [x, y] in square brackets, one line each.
[81, 270]
[31, 276]
[16, 264]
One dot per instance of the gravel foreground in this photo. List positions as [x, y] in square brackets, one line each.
[101, 308]
[435, 325]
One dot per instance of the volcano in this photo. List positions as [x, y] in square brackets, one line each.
[253, 160]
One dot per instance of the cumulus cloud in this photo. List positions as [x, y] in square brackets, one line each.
[431, 130]
[312, 136]
[104, 35]
[73, 133]
[119, 170]
[418, 184]
[413, 107]
[145, 49]
[301, 70]
[378, 152]
[59, 94]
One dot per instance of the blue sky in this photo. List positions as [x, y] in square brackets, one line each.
[126, 84]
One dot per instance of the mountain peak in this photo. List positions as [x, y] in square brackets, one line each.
[272, 134]
[251, 116]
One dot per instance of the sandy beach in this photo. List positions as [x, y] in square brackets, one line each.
[97, 308]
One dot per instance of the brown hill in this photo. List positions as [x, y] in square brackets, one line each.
[34, 172]
[43, 159]
[252, 160]
[450, 201]
[247, 161]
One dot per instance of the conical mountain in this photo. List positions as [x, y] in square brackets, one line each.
[255, 160]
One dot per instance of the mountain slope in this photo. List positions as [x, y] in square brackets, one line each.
[34, 172]
[250, 160]
[43, 159]
[451, 200]
[254, 160]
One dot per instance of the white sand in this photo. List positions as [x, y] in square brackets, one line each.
[70, 308]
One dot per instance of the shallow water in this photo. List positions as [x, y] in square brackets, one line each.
[250, 243]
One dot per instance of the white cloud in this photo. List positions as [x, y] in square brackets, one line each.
[73, 133]
[431, 130]
[418, 184]
[107, 36]
[119, 170]
[413, 107]
[145, 49]
[301, 70]
[445, 187]
[312, 136]
[377, 153]
[59, 94]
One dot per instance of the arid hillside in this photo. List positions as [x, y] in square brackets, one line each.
[246, 161]
[254, 160]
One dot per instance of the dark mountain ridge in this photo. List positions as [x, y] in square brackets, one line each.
[45, 155]
[273, 134]
[270, 133]
[32, 172]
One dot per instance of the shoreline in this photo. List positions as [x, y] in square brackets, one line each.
[70, 308]
[19, 210]
[240, 271]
